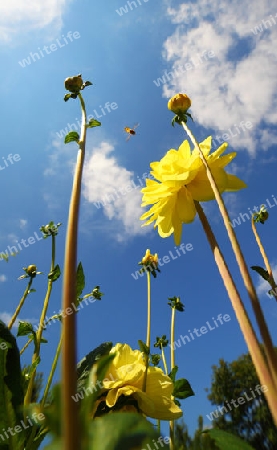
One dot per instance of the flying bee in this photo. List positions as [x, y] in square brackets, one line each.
[130, 131]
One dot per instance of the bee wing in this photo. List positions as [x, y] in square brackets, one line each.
[135, 126]
[128, 137]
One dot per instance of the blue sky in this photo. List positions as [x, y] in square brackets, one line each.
[224, 57]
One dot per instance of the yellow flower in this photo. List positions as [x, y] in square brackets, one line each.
[126, 374]
[150, 259]
[181, 179]
[179, 104]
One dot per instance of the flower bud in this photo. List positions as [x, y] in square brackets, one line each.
[73, 84]
[32, 270]
[179, 104]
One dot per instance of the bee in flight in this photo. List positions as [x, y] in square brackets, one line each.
[130, 131]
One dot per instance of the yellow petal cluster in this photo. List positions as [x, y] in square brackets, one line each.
[180, 179]
[150, 259]
[179, 104]
[127, 373]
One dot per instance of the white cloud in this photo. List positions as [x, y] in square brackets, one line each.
[23, 223]
[6, 318]
[3, 278]
[226, 89]
[17, 16]
[113, 191]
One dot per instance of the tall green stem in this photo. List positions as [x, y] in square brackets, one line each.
[268, 344]
[265, 258]
[164, 360]
[71, 426]
[172, 361]
[21, 303]
[148, 333]
[39, 332]
[248, 332]
[53, 368]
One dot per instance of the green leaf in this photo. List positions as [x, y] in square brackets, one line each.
[55, 274]
[4, 256]
[182, 389]
[67, 97]
[93, 123]
[73, 136]
[120, 431]
[11, 389]
[88, 83]
[84, 366]
[34, 366]
[227, 441]
[172, 374]
[143, 347]
[25, 328]
[264, 273]
[81, 281]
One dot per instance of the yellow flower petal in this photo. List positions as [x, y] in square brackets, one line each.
[129, 365]
[234, 183]
[181, 179]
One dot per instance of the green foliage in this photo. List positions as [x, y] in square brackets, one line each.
[80, 280]
[144, 348]
[200, 440]
[73, 136]
[93, 123]
[250, 420]
[182, 389]
[227, 441]
[262, 272]
[55, 273]
[84, 366]
[11, 390]
[118, 431]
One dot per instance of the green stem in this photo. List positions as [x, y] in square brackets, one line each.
[21, 303]
[25, 346]
[39, 332]
[53, 368]
[246, 327]
[268, 344]
[172, 361]
[164, 361]
[71, 426]
[148, 328]
[271, 280]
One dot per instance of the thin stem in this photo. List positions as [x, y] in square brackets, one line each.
[268, 344]
[265, 258]
[172, 361]
[164, 361]
[21, 303]
[39, 332]
[71, 426]
[248, 332]
[148, 309]
[25, 346]
[53, 368]
[148, 328]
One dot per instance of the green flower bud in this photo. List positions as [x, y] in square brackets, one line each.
[31, 270]
[73, 84]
